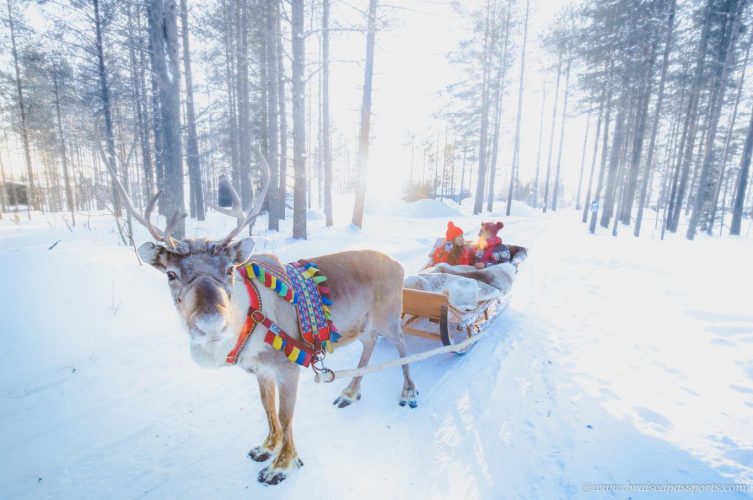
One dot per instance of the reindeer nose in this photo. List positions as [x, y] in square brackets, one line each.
[207, 307]
[208, 297]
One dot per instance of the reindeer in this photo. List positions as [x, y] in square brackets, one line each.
[212, 302]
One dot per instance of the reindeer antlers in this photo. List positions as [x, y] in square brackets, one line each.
[164, 236]
[243, 218]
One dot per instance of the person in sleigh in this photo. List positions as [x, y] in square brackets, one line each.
[489, 249]
[453, 249]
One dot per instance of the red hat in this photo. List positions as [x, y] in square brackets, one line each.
[492, 227]
[453, 231]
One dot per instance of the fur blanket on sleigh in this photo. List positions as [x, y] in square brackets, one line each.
[466, 285]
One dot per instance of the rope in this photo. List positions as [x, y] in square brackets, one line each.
[330, 376]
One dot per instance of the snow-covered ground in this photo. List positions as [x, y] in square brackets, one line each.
[619, 360]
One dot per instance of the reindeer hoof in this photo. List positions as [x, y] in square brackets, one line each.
[271, 477]
[409, 398]
[260, 454]
[343, 401]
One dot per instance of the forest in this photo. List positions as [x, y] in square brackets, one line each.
[172, 95]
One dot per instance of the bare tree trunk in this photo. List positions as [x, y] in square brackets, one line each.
[716, 102]
[139, 85]
[605, 148]
[242, 95]
[516, 142]
[551, 134]
[742, 182]
[157, 131]
[615, 157]
[3, 190]
[657, 117]
[587, 202]
[727, 141]
[492, 166]
[678, 194]
[273, 132]
[106, 106]
[673, 170]
[63, 150]
[628, 198]
[535, 190]
[583, 159]
[32, 201]
[283, 119]
[621, 188]
[481, 177]
[555, 192]
[192, 142]
[163, 31]
[363, 140]
[232, 100]
[500, 87]
[462, 173]
[299, 122]
[326, 141]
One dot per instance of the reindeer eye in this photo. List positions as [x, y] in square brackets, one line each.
[171, 276]
[230, 270]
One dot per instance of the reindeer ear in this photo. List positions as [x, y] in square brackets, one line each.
[239, 252]
[154, 255]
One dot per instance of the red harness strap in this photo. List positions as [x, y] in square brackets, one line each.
[254, 317]
[249, 324]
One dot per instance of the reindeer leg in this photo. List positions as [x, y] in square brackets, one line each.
[264, 452]
[353, 391]
[409, 393]
[287, 459]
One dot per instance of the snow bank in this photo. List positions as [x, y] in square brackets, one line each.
[619, 359]
[499, 209]
[431, 208]
[395, 207]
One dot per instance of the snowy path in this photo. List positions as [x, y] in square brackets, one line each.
[618, 360]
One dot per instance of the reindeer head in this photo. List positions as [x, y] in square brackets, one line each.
[199, 272]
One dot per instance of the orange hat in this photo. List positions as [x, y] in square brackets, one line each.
[453, 231]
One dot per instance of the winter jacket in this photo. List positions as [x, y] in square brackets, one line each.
[494, 253]
[442, 254]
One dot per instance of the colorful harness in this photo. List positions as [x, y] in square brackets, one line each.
[297, 284]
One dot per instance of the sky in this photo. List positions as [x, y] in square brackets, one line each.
[412, 68]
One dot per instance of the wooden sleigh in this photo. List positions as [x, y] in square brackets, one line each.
[431, 315]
